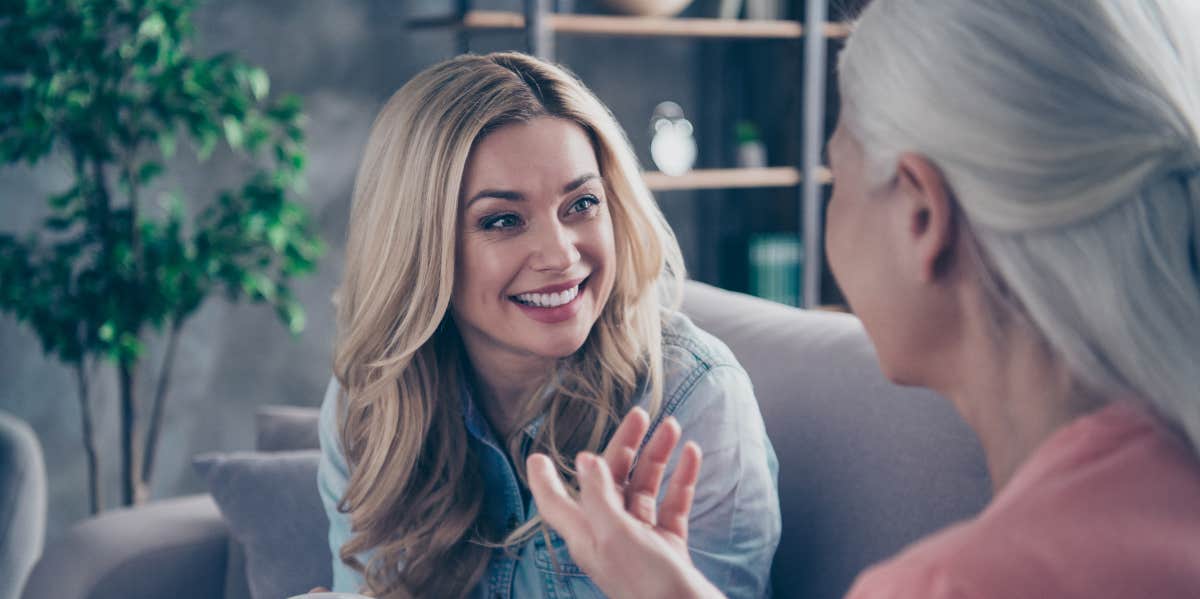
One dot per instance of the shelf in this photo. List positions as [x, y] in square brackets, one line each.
[732, 178]
[636, 26]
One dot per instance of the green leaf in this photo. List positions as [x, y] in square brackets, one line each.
[256, 223]
[208, 142]
[173, 203]
[64, 200]
[277, 236]
[148, 55]
[293, 316]
[78, 99]
[166, 142]
[259, 286]
[107, 332]
[129, 348]
[152, 27]
[149, 171]
[260, 84]
[233, 132]
[58, 223]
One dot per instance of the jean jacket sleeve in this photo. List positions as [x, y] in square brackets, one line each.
[735, 524]
[332, 478]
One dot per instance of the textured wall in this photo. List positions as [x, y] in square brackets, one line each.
[344, 58]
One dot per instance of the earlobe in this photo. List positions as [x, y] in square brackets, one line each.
[930, 207]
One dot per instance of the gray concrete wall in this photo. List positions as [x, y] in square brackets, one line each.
[344, 57]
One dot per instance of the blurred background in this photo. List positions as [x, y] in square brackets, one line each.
[742, 98]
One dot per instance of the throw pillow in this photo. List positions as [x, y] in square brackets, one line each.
[271, 504]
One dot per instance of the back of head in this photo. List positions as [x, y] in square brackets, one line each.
[1070, 135]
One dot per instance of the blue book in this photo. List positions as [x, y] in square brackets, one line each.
[775, 267]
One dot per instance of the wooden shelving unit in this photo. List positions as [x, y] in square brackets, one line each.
[732, 178]
[483, 20]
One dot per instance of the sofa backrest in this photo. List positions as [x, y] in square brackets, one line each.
[22, 503]
[866, 467]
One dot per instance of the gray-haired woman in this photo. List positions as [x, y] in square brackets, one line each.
[1016, 220]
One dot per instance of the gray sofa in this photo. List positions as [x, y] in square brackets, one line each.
[22, 503]
[865, 469]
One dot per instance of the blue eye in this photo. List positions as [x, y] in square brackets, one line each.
[500, 222]
[583, 204]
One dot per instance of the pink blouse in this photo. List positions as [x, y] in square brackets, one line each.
[1107, 507]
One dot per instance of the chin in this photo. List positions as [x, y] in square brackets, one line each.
[558, 348]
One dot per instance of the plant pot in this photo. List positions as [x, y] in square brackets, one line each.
[648, 8]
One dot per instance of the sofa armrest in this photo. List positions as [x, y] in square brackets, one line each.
[174, 548]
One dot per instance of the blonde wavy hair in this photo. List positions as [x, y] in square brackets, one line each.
[415, 491]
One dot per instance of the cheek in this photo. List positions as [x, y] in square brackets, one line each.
[482, 270]
[836, 233]
[607, 243]
[598, 242]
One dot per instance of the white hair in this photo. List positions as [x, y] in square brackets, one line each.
[1070, 134]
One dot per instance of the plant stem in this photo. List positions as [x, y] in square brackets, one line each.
[89, 437]
[160, 395]
[135, 238]
[130, 452]
[102, 194]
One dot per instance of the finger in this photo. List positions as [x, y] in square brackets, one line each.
[599, 497]
[642, 492]
[677, 503]
[623, 446]
[561, 511]
[318, 590]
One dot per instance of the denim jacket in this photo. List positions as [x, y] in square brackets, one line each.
[734, 526]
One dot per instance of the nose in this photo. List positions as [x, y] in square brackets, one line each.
[554, 248]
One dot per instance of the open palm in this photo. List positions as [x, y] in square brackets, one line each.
[615, 530]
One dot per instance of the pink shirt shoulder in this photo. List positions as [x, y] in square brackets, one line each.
[1107, 507]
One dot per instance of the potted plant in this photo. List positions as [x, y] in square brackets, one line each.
[113, 89]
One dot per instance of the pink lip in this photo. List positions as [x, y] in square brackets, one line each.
[555, 288]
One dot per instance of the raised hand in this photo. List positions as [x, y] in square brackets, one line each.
[615, 531]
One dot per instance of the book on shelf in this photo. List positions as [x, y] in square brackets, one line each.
[774, 269]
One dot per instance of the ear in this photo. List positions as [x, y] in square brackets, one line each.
[929, 203]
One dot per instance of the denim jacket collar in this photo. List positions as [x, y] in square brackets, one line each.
[478, 425]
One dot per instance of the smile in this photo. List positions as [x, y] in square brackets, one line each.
[550, 300]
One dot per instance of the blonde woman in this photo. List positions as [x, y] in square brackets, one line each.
[510, 287]
[1016, 220]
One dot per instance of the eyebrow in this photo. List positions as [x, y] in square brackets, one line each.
[577, 183]
[513, 196]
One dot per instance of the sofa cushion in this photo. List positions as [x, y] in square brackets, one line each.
[166, 548]
[865, 467]
[271, 505]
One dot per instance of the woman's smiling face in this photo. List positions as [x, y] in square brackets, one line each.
[535, 252]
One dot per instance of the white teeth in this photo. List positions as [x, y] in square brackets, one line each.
[549, 300]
